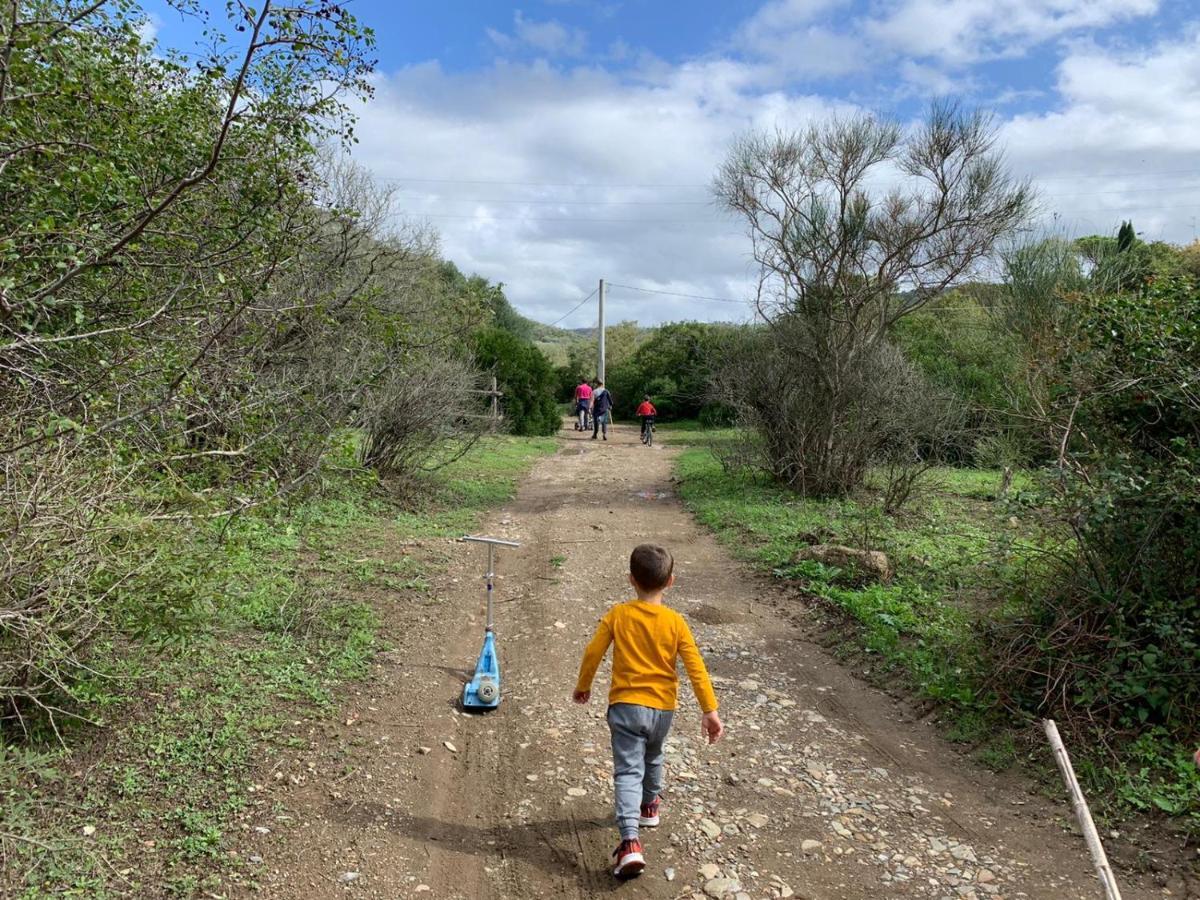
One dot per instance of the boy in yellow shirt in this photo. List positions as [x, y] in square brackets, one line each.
[647, 639]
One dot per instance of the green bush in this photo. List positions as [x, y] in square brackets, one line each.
[674, 366]
[1118, 638]
[961, 348]
[524, 374]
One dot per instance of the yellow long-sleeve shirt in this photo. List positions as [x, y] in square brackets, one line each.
[647, 639]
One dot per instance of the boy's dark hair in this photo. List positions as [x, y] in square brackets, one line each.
[651, 566]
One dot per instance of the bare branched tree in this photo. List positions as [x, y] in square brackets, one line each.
[893, 416]
[193, 302]
[855, 223]
[422, 413]
[56, 535]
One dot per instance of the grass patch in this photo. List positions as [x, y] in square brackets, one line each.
[962, 559]
[452, 498]
[689, 432]
[947, 551]
[273, 612]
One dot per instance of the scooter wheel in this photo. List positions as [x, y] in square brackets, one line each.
[487, 690]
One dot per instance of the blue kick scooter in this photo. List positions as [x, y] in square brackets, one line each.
[483, 690]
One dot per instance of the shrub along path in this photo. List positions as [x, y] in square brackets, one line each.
[823, 788]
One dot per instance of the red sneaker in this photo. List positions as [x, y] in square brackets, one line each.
[649, 816]
[630, 861]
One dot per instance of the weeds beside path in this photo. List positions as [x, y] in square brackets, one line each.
[151, 801]
[962, 558]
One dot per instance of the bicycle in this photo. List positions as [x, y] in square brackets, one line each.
[648, 430]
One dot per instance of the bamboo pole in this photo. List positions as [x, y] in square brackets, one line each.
[1103, 870]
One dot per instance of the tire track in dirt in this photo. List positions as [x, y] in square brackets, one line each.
[521, 806]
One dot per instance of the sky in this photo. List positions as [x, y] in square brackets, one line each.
[558, 142]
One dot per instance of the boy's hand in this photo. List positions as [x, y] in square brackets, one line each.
[581, 696]
[712, 727]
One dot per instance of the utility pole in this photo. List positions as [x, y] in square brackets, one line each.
[600, 359]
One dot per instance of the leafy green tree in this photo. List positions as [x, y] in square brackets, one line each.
[504, 314]
[1165, 259]
[1126, 611]
[524, 375]
[674, 364]
[621, 342]
[1189, 259]
[1126, 261]
[577, 368]
[155, 206]
[194, 299]
[960, 346]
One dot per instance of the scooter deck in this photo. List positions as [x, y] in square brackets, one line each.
[483, 690]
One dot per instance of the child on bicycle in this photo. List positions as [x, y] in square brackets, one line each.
[646, 412]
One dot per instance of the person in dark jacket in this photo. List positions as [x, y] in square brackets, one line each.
[602, 404]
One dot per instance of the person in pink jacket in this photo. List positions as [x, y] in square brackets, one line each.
[583, 405]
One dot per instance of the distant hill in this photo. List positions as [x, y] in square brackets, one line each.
[556, 342]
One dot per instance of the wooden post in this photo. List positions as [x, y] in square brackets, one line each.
[495, 394]
[1103, 870]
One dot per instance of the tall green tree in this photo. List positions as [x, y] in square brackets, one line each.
[1126, 237]
[523, 373]
[196, 295]
[674, 364]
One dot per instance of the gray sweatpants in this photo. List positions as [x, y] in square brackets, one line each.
[638, 733]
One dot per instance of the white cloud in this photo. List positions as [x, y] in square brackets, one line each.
[965, 31]
[1123, 141]
[777, 24]
[933, 81]
[550, 38]
[148, 29]
[547, 178]
[790, 38]
[613, 177]
[928, 43]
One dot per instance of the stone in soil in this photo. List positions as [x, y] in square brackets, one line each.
[719, 887]
[709, 871]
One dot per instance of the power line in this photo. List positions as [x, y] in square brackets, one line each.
[563, 202]
[1149, 190]
[600, 184]
[1114, 209]
[1142, 173]
[1068, 212]
[630, 287]
[1124, 208]
[419, 215]
[575, 307]
[544, 200]
[572, 184]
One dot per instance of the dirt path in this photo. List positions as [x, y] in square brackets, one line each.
[824, 788]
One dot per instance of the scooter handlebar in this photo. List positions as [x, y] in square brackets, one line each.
[480, 539]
